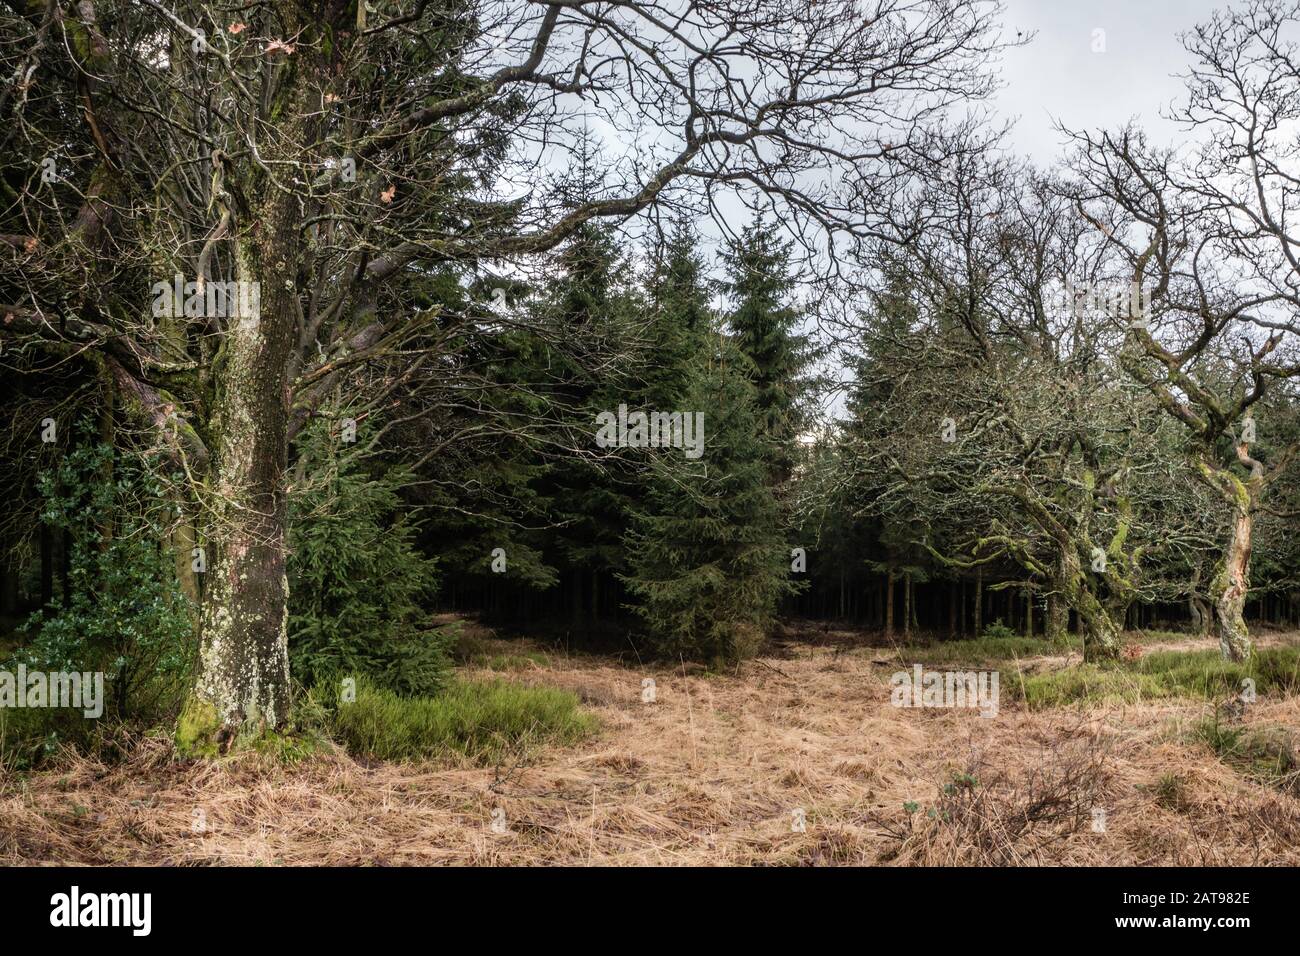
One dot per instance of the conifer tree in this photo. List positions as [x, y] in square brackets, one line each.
[588, 310]
[766, 322]
[679, 315]
[707, 562]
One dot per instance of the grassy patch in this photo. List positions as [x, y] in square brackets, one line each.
[30, 737]
[1198, 674]
[482, 721]
[285, 748]
[1171, 793]
[989, 649]
[1265, 754]
[1161, 637]
[529, 660]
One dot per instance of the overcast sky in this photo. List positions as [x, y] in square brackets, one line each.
[1059, 77]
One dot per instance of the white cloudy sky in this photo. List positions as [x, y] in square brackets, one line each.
[1058, 77]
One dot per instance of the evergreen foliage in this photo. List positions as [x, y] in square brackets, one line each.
[708, 564]
[359, 588]
[122, 613]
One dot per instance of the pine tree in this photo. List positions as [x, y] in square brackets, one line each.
[707, 562]
[591, 309]
[766, 326]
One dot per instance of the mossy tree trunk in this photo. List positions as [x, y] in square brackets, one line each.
[1230, 587]
[243, 680]
[242, 687]
[1202, 612]
[1100, 634]
[1057, 621]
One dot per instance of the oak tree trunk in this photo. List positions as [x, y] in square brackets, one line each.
[1231, 586]
[242, 687]
[1100, 634]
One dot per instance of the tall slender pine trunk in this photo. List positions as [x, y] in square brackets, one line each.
[889, 604]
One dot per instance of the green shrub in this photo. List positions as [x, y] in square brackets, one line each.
[997, 631]
[357, 582]
[482, 721]
[126, 615]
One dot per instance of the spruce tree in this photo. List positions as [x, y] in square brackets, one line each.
[766, 322]
[707, 563]
[678, 316]
[589, 309]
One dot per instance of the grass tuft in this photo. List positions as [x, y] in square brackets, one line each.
[1267, 755]
[1198, 674]
[482, 721]
[990, 649]
[527, 661]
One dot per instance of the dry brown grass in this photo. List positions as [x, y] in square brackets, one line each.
[709, 774]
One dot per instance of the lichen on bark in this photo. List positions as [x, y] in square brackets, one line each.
[243, 687]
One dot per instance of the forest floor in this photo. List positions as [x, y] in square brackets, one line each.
[797, 758]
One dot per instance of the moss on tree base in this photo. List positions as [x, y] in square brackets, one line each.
[198, 730]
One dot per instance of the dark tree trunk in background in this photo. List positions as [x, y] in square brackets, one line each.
[47, 566]
[965, 609]
[8, 579]
[952, 609]
[889, 604]
[65, 566]
[907, 606]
